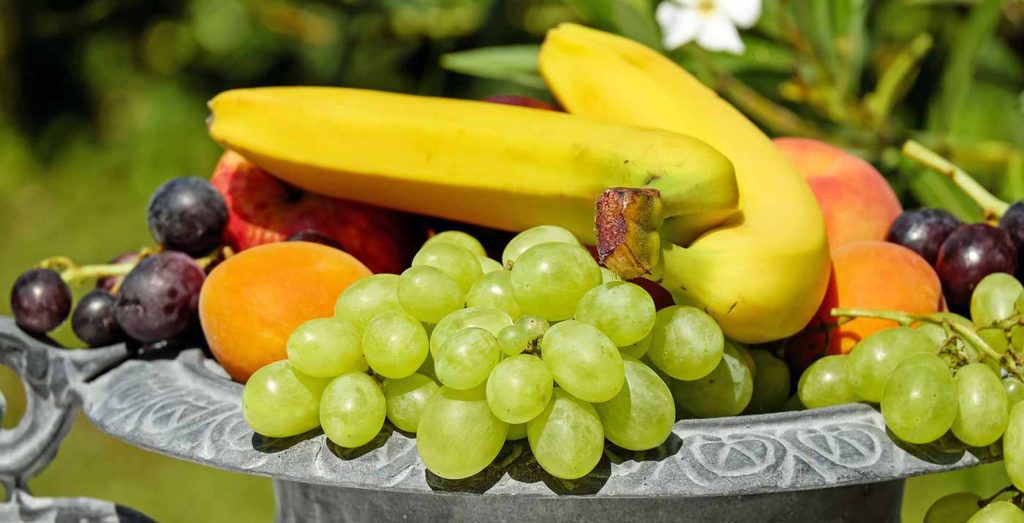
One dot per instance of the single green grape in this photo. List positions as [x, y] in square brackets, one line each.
[428, 293]
[725, 391]
[638, 349]
[825, 383]
[566, 438]
[1013, 446]
[395, 344]
[792, 404]
[1014, 391]
[519, 388]
[366, 298]
[533, 325]
[771, 383]
[535, 236]
[463, 266]
[608, 275]
[937, 332]
[686, 343]
[352, 410]
[491, 320]
[953, 508]
[549, 279]
[743, 353]
[994, 298]
[466, 359]
[996, 338]
[279, 401]
[871, 362]
[919, 403]
[325, 348]
[982, 410]
[458, 435]
[494, 290]
[641, 415]
[583, 361]
[488, 265]
[513, 340]
[406, 398]
[516, 432]
[621, 310]
[998, 512]
[464, 240]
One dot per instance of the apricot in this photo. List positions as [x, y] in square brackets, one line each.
[251, 302]
[855, 199]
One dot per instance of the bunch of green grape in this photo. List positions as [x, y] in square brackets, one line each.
[468, 353]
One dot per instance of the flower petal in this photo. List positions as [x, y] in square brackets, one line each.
[718, 34]
[744, 13]
[679, 25]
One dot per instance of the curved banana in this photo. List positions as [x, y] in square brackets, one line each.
[762, 273]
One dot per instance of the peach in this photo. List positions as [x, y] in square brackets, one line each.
[866, 274]
[857, 202]
[252, 302]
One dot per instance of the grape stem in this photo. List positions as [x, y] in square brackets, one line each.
[990, 499]
[85, 272]
[991, 205]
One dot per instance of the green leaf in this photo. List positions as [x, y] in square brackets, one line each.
[630, 18]
[762, 56]
[934, 190]
[1013, 183]
[514, 63]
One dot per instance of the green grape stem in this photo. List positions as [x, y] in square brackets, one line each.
[73, 273]
[992, 206]
[990, 499]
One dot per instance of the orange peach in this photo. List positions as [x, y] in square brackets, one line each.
[857, 202]
[252, 302]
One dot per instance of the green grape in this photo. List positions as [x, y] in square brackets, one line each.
[395, 344]
[352, 410]
[953, 508]
[458, 435]
[466, 359]
[516, 432]
[519, 388]
[998, 512]
[534, 326]
[366, 298]
[513, 340]
[608, 275]
[996, 338]
[549, 279]
[535, 236]
[685, 342]
[488, 265]
[937, 332]
[583, 361]
[464, 240]
[792, 404]
[641, 415]
[491, 320]
[494, 290]
[428, 293]
[919, 403]
[279, 401]
[637, 350]
[621, 310]
[463, 266]
[824, 383]
[994, 298]
[871, 362]
[771, 383]
[325, 348]
[1014, 391]
[1013, 446]
[725, 391]
[566, 438]
[406, 398]
[743, 353]
[982, 406]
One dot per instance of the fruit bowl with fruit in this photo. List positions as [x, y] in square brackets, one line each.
[409, 307]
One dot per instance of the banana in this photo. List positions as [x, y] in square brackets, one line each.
[500, 166]
[763, 272]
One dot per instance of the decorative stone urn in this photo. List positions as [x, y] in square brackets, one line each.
[834, 464]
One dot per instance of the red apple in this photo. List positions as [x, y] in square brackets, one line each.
[262, 209]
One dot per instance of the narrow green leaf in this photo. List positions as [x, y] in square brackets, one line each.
[513, 63]
[934, 190]
[1013, 183]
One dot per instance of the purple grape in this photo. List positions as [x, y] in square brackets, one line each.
[187, 215]
[969, 254]
[310, 235]
[1013, 223]
[107, 283]
[93, 320]
[40, 301]
[159, 298]
[923, 231]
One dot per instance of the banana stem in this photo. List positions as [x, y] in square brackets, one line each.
[992, 206]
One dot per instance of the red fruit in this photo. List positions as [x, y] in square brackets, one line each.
[522, 101]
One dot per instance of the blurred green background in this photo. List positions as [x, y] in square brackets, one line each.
[102, 100]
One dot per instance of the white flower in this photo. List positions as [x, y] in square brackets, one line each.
[712, 23]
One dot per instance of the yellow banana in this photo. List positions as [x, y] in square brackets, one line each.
[762, 273]
[495, 165]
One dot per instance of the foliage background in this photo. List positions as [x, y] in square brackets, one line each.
[102, 100]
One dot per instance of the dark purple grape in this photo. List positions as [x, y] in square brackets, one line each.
[108, 283]
[313, 236]
[187, 215]
[40, 301]
[923, 231]
[93, 320]
[159, 298]
[969, 254]
[1013, 223]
